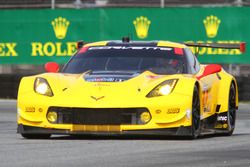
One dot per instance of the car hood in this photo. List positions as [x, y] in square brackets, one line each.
[87, 87]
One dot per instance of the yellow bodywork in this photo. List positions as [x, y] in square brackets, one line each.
[170, 111]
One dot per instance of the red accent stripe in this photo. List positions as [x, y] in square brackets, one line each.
[84, 49]
[243, 47]
[178, 51]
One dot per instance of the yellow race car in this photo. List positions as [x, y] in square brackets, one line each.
[129, 87]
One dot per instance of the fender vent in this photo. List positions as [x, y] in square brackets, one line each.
[217, 108]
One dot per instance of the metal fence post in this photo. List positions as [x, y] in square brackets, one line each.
[162, 3]
[230, 68]
[52, 4]
[78, 4]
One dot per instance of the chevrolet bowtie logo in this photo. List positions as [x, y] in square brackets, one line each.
[97, 98]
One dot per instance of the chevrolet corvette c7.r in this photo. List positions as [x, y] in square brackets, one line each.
[129, 87]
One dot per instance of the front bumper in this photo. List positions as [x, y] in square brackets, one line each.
[180, 131]
[108, 117]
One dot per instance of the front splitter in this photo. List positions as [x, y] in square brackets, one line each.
[179, 131]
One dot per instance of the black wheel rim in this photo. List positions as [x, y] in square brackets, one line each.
[232, 107]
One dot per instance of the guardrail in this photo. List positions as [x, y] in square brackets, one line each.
[244, 88]
[8, 4]
[9, 86]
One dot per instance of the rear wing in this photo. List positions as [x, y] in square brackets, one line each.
[241, 46]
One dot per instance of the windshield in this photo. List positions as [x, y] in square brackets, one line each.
[158, 60]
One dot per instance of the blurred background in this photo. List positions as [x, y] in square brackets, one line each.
[33, 32]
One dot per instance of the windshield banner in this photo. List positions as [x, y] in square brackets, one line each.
[44, 35]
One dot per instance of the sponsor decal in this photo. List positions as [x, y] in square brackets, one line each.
[101, 84]
[29, 109]
[173, 111]
[8, 49]
[212, 24]
[142, 25]
[205, 100]
[222, 118]
[55, 44]
[104, 79]
[130, 47]
[221, 126]
[216, 51]
[53, 49]
[218, 126]
[60, 27]
[157, 111]
[225, 126]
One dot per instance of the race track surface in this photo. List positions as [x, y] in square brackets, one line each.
[64, 151]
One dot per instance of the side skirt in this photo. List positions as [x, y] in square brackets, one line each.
[214, 124]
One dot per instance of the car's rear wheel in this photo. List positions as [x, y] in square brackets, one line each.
[195, 128]
[36, 136]
[231, 114]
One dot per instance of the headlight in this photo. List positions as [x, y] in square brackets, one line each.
[163, 89]
[42, 87]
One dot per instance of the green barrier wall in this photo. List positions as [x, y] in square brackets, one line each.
[39, 36]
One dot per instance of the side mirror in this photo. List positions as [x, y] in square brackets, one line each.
[51, 67]
[79, 45]
[210, 69]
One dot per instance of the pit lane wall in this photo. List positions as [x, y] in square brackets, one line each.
[40, 36]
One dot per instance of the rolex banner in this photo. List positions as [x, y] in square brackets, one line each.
[40, 36]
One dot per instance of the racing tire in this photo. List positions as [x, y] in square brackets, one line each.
[231, 114]
[36, 136]
[196, 122]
